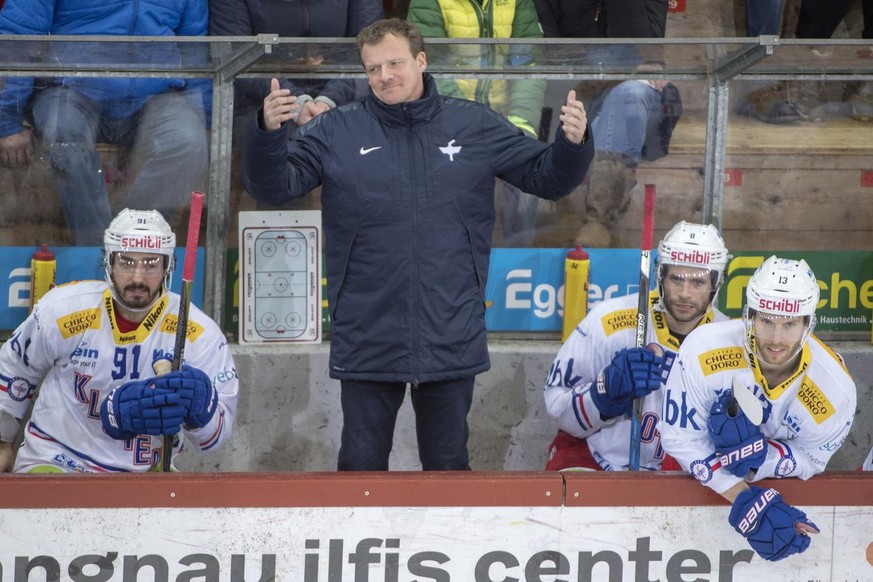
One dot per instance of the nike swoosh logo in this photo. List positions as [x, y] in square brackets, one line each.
[365, 151]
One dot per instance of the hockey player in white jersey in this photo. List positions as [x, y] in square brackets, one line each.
[598, 371]
[804, 399]
[88, 349]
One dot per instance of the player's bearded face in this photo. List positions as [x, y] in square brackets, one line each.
[138, 277]
[777, 338]
[687, 292]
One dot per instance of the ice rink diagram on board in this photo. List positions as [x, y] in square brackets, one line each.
[280, 276]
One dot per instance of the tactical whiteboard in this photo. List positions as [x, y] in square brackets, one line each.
[280, 276]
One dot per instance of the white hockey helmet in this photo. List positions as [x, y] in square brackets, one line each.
[688, 244]
[138, 231]
[783, 288]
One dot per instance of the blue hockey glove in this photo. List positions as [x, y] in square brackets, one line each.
[740, 443]
[196, 393]
[633, 373]
[138, 408]
[768, 523]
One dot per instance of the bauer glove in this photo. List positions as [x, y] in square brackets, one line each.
[139, 408]
[769, 524]
[195, 391]
[633, 373]
[740, 443]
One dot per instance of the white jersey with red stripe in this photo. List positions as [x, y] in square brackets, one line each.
[609, 327]
[70, 348]
[806, 418]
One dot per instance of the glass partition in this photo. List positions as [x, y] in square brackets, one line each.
[770, 139]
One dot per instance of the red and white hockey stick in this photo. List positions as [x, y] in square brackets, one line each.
[648, 234]
[162, 366]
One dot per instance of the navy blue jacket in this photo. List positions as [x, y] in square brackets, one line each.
[408, 210]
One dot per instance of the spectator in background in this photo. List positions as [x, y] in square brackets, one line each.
[520, 101]
[162, 120]
[603, 18]
[790, 101]
[764, 17]
[304, 18]
[802, 405]
[408, 197]
[630, 121]
[593, 425]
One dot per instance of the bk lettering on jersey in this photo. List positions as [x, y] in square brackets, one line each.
[79, 322]
[619, 320]
[815, 401]
[721, 360]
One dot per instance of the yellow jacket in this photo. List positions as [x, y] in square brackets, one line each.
[521, 101]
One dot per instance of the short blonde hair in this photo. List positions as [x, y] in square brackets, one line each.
[375, 32]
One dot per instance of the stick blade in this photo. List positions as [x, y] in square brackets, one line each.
[748, 402]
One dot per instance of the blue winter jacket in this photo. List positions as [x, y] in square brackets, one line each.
[408, 209]
[119, 97]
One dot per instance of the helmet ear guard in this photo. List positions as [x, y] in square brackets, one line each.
[689, 244]
[781, 288]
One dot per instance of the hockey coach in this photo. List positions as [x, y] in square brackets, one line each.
[407, 180]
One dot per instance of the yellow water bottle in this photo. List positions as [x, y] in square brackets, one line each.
[576, 270]
[42, 274]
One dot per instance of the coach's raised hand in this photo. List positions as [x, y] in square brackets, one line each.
[280, 106]
[574, 119]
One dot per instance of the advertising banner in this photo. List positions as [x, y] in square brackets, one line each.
[845, 280]
[73, 264]
[418, 544]
[526, 289]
